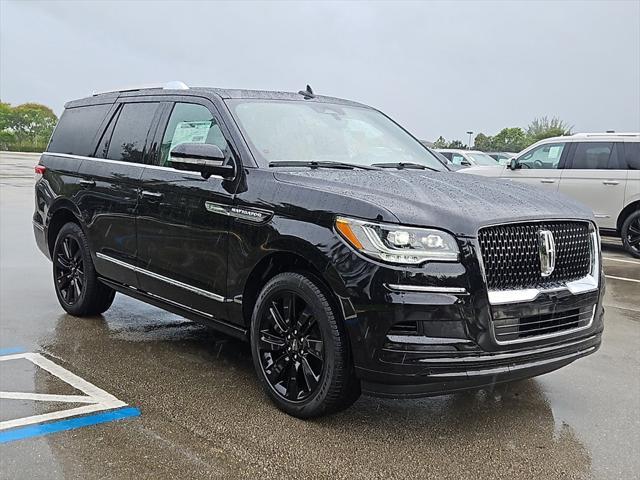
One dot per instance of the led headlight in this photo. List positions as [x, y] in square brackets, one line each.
[398, 244]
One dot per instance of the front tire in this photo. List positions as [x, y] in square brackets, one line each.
[76, 283]
[300, 349]
[630, 234]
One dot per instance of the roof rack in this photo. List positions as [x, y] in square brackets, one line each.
[173, 85]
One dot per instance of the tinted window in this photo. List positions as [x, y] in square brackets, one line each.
[76, 130]
[544, 156]
[130, 133]
[594, 156]
[632, 155]
[190, 123]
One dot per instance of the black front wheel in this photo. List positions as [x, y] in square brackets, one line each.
[300, 349]
[631, 234]
[77, 286]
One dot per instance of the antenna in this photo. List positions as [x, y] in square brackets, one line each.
[308, 93]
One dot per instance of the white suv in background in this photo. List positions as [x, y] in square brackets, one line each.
[468, 158]
[601, 170]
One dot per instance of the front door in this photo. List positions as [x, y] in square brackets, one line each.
[182, 236]
[596, 175]
[541, 166]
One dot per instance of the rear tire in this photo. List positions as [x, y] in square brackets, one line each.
[75, 280]
[630, 234]
[300, 348]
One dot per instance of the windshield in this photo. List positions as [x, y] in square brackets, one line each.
[483, 159]
[312, 131]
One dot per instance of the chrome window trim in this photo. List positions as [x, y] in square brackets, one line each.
[426, 289]
[128, 164]
[162, 278]
[546, 336]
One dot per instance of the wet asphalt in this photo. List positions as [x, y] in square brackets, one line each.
[204, 416]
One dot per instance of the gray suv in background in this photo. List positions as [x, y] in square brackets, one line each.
[602, 170]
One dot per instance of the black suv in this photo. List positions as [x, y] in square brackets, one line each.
[322, 232]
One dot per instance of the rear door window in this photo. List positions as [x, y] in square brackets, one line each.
[595, 156]
[190, 123]
[77, 129]
[129, 136]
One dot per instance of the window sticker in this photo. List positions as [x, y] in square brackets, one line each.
[190, 132]
[554, 152]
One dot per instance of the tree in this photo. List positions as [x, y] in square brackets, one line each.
[545, 127]
[509, 140]
[483, 143]
[440, 142]
[26, 127]
[457, 144]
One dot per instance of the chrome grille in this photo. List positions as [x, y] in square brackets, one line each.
[512, 260]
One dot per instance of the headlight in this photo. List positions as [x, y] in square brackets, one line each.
[398, 244]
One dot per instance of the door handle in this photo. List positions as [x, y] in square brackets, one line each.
[87, 183]
[610, 182]
[547, 180]
[154, 196]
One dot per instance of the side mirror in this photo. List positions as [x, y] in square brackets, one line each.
[204, 158]
[513, 164]
[465, 163]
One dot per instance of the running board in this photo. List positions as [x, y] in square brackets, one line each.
[182, 310]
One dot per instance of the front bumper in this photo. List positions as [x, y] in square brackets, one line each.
[455, 346]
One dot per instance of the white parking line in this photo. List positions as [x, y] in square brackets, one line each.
[621, 260]
[623, 278]
[96, 398]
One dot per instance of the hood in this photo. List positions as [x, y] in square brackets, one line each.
[458, 203]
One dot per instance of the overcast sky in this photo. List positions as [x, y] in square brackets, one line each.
[438, 68]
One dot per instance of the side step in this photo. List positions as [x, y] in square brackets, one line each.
[182, 310]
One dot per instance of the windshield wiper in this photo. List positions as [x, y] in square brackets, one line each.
[318, 164]
[402, 165]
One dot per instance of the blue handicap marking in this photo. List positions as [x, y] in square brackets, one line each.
[96, 405]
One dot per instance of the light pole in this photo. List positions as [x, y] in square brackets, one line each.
[469, 144]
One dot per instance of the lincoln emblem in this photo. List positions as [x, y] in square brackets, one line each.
[547, 248]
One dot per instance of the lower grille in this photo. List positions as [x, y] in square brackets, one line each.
[529, 327]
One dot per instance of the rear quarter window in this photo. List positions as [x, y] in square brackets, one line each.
[76, 131]
[632, 155]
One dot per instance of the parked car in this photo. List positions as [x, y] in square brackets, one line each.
[468, 158]
[321, 232]
[601, 170]
[503, 158]
[444, 160]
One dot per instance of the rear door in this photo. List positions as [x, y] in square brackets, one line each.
[596, 175]
[110, 182]
[540, 166]
[182, 229]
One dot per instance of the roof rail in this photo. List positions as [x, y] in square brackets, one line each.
[173, 85]
[607, 134]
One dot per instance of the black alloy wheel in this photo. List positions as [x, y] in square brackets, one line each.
[78, 288]
[291, 347]
[68, 267]
[631, 234]
[300, 348]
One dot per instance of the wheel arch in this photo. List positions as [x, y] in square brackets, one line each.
[292, 261]
[626, 211]
[61, 213]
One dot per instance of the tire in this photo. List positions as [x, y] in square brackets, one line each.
[303, 365]
[630, 234]
[75, 280]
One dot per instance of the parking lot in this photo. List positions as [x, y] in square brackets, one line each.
[199, 411]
